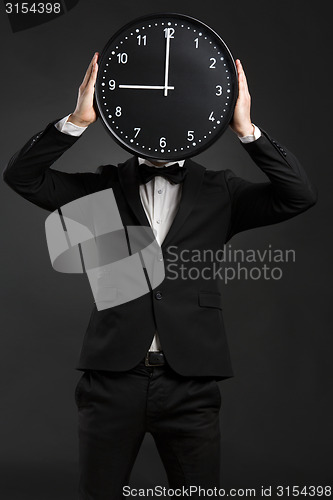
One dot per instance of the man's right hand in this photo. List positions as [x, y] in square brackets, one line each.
[85, 113]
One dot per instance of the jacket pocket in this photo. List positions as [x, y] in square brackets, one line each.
[210, 299]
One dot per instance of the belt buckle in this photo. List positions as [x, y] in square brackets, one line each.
[147, 361]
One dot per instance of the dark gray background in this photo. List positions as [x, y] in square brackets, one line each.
[277, 412]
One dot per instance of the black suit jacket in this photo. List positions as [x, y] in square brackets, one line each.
[214, 206]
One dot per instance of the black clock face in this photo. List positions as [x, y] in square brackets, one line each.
[166, 86]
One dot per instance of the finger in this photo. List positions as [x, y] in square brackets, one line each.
[88, 72]
[93, 75]
[242, 76]
[87, 75]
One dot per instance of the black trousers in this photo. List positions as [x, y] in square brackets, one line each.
[116, 409]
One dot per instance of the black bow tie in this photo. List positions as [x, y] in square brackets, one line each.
[174, 174]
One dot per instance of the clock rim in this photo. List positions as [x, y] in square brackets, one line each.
[182, 155]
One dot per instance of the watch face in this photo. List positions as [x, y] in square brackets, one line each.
[166, 86]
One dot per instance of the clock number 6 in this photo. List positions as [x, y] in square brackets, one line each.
[163, 142]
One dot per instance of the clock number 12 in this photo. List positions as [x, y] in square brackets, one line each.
[169, 32]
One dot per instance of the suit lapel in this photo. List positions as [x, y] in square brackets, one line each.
[130, 182]
[190, 191]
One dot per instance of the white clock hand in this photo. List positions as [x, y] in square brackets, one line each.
[167, 60]
[158, 87]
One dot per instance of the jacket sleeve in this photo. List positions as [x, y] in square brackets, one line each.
[29, 174]
[287, 193]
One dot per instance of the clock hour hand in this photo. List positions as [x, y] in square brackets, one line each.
[149, 87]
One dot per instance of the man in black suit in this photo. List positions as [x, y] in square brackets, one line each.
[152, 364]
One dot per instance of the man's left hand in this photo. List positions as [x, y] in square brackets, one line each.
[241, 122]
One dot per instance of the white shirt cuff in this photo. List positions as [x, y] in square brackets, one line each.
[69, 128]
[251, 138]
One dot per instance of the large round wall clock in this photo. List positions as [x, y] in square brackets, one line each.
[166, 86]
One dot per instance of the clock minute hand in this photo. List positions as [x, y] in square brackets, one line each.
[167, 60]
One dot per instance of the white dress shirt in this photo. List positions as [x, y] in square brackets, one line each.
[160, 198]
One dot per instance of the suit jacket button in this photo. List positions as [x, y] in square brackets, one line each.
[158, 295]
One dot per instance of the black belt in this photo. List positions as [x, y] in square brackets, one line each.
[154, 358]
